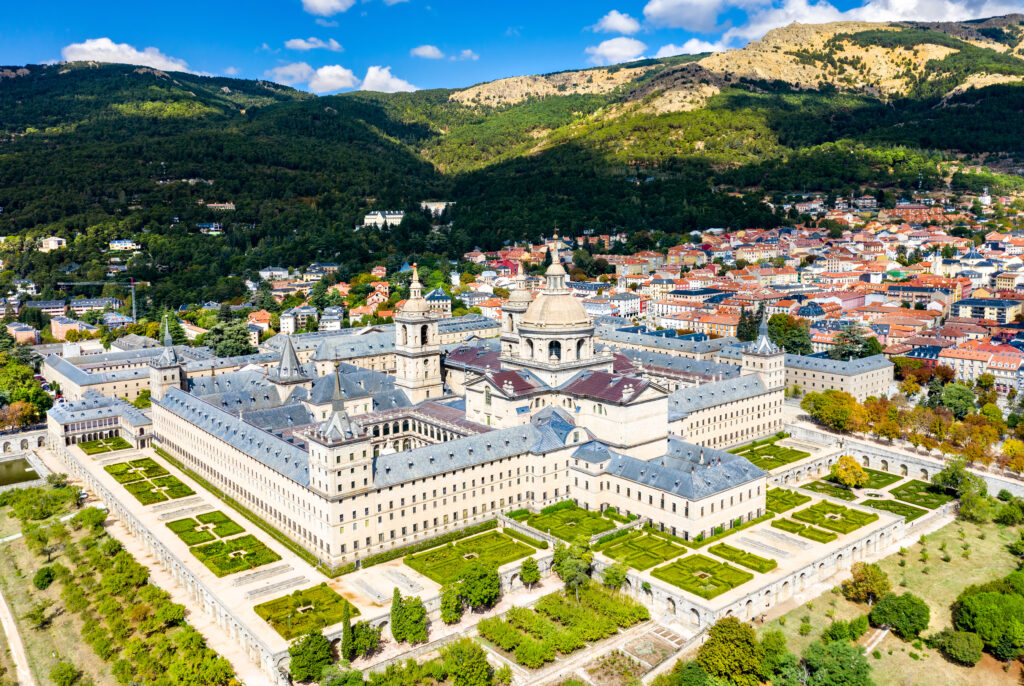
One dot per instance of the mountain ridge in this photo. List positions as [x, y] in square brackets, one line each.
[89, 151]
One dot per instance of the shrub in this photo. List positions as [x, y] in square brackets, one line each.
[557, 507]
[907, 615]
[43, 578]
[839, 630]
[858, 627]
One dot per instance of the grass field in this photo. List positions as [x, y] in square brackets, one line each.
[938, 583]
[303, 611]
[642, 551]
[702, 576]
[104, 445]
[920, 493]
[447, 563]
[767, 455]
[568, 524]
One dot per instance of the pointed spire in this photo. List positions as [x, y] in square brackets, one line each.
[168, 340]
[415, 288]
[289, 365]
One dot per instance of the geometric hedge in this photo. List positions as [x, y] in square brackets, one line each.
[922, 494]
[835, 517]
[641, 551]
[448, 563]
[702, 576]
[300, 612]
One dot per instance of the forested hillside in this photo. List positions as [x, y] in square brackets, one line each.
[97, 152]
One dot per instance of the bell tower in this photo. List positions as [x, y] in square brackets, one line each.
[764, 358]
[417, 347]
[167, 371]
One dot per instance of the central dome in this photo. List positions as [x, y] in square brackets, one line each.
[555, 307]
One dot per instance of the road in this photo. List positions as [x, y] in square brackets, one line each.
[17, 647]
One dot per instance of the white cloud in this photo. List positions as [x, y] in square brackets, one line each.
[380, 79]
[468, 54]
[332, 78]
[313, 44]
[329, 23]
[394, 2]
[428, 52]
[615, 50]
[291, 74]
[231, 71]
[326, 8]
[761, 16]
[690, 47]
[698, 16]
[106, 50]
[617, 22]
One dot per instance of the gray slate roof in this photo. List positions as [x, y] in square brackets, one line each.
[96, 406]
[275, 452]
[845, 367]
[688, 400]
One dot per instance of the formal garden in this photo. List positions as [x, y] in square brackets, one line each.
[743, 558]
[234, 554]
[104, 445]
[809, 532]
[447, 563]
[205, 528]
[830, 489]
[896, 507]
[702, 576]
[148, 481]
[640, 549]
[559, 624]
[834, 517]
[767, 455]
[922, 494]
[783, 500]
[568, 521]
[304, 611]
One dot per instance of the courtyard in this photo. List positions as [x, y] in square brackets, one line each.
[767, 454]
[641, 550]
[447, 563]
[570, 523]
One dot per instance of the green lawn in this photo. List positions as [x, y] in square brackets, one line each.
[896, 507]
[642, 551]
[767, 455]
[878, 480]
[104, 445]
[235, 555]
[204, 528]
[833, 517]
[783, 500]
[447, 563]
[702, 576]
[921, 493]
[938, 583]
[830, 489]
[570, 523]
[304, 611]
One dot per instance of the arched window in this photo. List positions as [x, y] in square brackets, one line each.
[405, 335]
[423, 335]
[579, 349]
[529, 347]
[555, 350]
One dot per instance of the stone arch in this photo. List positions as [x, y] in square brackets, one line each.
[748, 609]
[903, 470]
[853, 554]
[7, 446]
[866, 461]
[885, 465]
[554, 350]
[694, 617]
[513, 581]
[821, 570]
[424, 334]
[405, 335]
[768, 599]
[924, 474]
[579, 349]
[802, 581]
[671, 606]
[24, 444]
[784, 594]
[839, 562]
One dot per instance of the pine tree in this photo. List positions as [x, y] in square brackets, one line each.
[397, 618]
[347, 644]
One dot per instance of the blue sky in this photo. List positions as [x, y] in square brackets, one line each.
[335, 45]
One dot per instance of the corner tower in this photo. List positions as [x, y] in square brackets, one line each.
[764, 358]
[167, 371]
